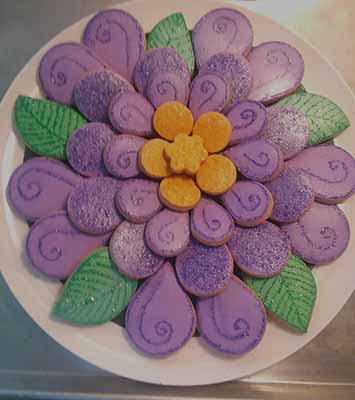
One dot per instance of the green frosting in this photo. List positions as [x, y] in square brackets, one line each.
[290, 295]
[96, 292]
[325, 118]
[45, 126]
[172, 32]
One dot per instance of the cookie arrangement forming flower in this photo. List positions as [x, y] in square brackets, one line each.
[194, 162]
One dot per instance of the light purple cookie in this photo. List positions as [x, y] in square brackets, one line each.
[321, 235]
[138, 199]
[204, 270]
[40, 186]
[167, 86]
[121, 156]
[292, 193]
[233, 321]
[91, 205]
[130, 253]
[277, 69]
[156, 61]
[130, 112]
[62, 67]
[331, 171]
[222, 29]
[94, 93]
[85, 149]
[258, 160]
[168, 233]
[117, 38]
[209, 92]
[248, 118]
[210, 223]
[55, 246]
[286, 127]
[261, 251]
[150, 324]
[250, 203]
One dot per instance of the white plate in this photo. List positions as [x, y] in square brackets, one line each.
[106, 346]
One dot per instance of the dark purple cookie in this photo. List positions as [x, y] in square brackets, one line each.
[204, 270]
[94, 93]
[150, 323]
[248, 119]
[168, 233]
[138, 199]
[85, 149]
[130, 112]
[40, 186]
[56, 247]
[262, 251]
[277, 69]
[91, 205]
[258, 160]
[117, 38]
[233, 321]
[121, 156]
[222, 29]
[62, 67]
[130, 253]
[292, 193]
[321, 235]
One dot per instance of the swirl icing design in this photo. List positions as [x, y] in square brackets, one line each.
[262, 159]
[335, 166]
[129, 112]
[207, 88]
[138, 196]
[224, 25]
[213, 223]
[327, 238]
[251, 204]
[127, 158]
[248, 117]
[57, 75]
[166, 233]
[166, 88]
[46, 248]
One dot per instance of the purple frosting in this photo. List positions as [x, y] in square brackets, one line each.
[261, 251]
[204, 270]
[130, 252]
[40, 186]
[151, 325]
[233, 321]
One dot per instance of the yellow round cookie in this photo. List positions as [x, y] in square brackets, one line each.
[172, 118]
[215, 130]
[216, 175]
[151, 159]
[179, 192]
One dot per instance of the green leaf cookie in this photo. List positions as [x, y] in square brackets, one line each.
[96, 292]
[172, 32]
[290, 295]
[325, 118]
[45, 126]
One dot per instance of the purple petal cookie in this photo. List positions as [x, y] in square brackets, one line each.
[130, 112]
[250, 203]
[117, 38]
[94, 93]
[85, 149]
[210, 223]
[91, 205]
[248, 118]
[258, 160]
[138, 199]
[292, 193]
[150, 324]
[40, 186]
[168, 233]
[331, 171]
[321, 235]
[286, 127]
[277, 69]
[204, 270]
[62, 67]
[222, 29]
[130, 253]
[233, 321]
[56, 247]
[121, 156]
[261, 251]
